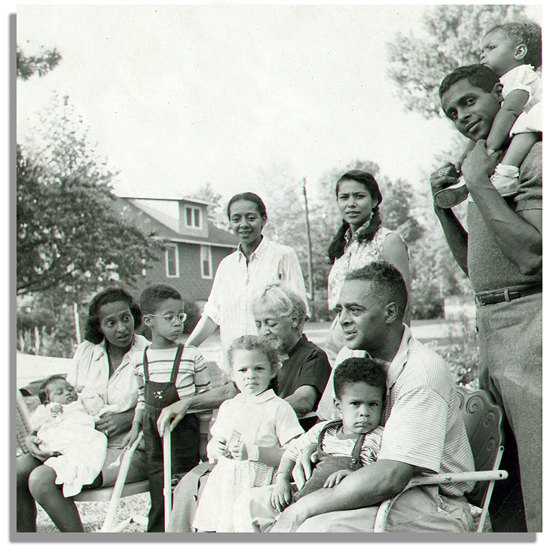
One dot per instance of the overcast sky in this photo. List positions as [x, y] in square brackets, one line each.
[179, 95]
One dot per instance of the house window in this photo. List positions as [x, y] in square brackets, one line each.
[193, 217]
[206, 261]
[172, 261]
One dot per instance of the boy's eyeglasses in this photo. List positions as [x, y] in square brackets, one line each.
[171, 318]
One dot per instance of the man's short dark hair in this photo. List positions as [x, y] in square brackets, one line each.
[152, 296]
[477, 75]
[43, 389]
[356, 370]
[527, 33]
[387, 280]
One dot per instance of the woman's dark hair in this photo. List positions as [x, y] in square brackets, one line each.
[338, 243]
[93, 331]
[248, 196]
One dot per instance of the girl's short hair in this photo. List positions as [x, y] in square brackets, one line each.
[528, 33]
[248, 196]
[282, 300]
[255, 343]
[92, 332]
[338, 244]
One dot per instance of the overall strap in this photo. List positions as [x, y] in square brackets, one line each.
[145, 365]
[356, 452]
[176, 365]
[330, 425]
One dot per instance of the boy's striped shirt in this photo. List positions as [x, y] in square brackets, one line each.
[192, 378]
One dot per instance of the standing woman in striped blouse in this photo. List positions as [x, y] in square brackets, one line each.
[360, 240]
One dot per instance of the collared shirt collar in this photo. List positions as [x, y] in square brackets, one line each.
[264, 396]
[138, 342]
[349, 237]
[399, 361]
[257, 253]
[297, 345]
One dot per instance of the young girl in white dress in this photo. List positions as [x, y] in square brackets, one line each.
[248, 435]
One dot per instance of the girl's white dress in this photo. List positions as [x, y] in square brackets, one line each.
[524, 77]
[71, 432]
[264, 420]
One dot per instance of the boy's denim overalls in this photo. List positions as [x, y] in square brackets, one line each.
[185, 438]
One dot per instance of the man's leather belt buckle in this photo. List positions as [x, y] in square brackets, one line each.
[506, 294]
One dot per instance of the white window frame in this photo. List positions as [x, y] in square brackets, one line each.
[206, 255]
[177, 260]
[194, 211]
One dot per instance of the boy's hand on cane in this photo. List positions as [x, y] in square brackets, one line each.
[129, 440]
[171, 415]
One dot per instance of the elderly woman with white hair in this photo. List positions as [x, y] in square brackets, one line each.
[279, 314]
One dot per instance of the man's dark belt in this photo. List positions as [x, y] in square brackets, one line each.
[506, 294]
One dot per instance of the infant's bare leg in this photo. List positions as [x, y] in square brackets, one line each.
[519, 147]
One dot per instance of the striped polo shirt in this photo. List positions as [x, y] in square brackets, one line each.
[423, 424]
[192, 378]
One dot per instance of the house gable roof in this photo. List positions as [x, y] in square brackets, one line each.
[166, 227]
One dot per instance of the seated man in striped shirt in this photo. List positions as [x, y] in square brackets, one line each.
[166, 373]
[424, 431]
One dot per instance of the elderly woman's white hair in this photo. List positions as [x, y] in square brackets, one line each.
[281, 300]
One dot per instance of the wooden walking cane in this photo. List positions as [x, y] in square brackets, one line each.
[167, 462]
[127, 455]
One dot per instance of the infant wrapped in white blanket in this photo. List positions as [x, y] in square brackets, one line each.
[65, 424]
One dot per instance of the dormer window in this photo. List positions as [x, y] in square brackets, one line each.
[193, 217]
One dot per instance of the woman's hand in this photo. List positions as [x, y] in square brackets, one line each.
[281, 495]
[129, 440]
[32, 442]
[171, 415]
[334, 478]
[112, 423]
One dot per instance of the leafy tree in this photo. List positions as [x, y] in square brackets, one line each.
[451, 38]
[27, 66]
[71, 237]
[286, 210]
[216, 213]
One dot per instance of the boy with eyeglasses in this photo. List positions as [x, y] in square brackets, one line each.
[167, 371]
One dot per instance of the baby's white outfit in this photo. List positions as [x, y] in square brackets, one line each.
[72, 433]
[264, 420]
[524, 77]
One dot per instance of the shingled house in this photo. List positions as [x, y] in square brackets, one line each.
[192, 246]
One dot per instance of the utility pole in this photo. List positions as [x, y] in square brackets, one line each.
[309, 252]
